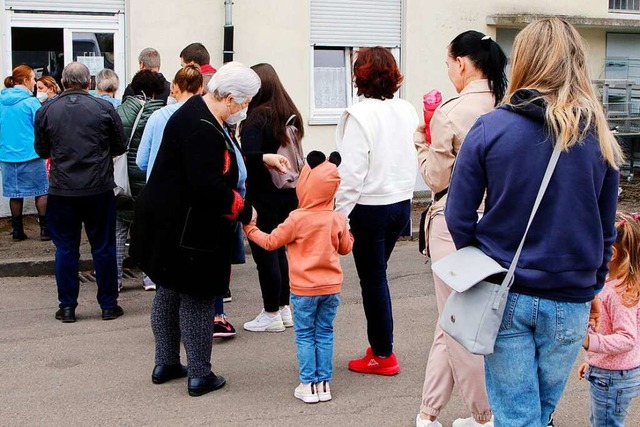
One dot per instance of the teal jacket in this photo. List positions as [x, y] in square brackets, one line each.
[17, 118]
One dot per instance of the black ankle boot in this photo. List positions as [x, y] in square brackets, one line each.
[18, 229]
[44, 230]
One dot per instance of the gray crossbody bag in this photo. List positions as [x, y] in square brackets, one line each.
[473, 312]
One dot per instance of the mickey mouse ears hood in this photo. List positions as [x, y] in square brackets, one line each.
[318, 182]
[527, 102]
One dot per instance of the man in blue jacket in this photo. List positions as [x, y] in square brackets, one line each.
[81, 134]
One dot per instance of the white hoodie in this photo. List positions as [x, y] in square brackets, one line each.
[379, 165]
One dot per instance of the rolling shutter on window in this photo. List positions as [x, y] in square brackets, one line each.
[356, 22]
[101, 6]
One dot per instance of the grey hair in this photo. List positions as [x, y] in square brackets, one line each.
[236, 80]
[150, 58]
[76, 76]
[107, 81]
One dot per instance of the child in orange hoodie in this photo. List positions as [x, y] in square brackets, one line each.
[315, 235]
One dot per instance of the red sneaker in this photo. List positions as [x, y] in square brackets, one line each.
[372, 364]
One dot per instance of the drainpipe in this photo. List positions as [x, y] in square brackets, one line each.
[227, 52]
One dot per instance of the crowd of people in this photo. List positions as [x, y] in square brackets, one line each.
[201, 151]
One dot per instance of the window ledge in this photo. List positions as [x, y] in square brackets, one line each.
[324, 117]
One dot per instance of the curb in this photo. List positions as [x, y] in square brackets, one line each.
[46, 267]
[35, 267]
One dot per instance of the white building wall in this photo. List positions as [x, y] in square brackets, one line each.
[277, 32]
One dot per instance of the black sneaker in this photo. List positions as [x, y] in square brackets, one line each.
[227, 296]
[551, 422]
[223, 329]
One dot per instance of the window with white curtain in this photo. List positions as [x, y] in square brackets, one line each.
[338, 31]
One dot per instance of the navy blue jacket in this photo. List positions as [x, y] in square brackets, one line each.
[568, 246]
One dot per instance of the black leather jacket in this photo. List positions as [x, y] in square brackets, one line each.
[81, 133]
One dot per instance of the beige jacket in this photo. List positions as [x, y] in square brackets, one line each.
[449, 126]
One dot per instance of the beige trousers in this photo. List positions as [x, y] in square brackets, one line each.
[449, 363]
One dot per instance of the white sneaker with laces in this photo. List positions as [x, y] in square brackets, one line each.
[287, 317]
[324, 391]
[147, 283]
[265, 322]
[470, 422]
[426, 423]
[307, 393]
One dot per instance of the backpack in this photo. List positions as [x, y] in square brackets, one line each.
[292, 150]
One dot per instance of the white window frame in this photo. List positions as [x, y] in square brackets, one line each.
[70, 23]
[331, 116]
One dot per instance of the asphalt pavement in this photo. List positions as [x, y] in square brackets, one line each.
[96, 372]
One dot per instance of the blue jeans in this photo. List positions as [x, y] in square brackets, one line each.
[65, 216]
[313, 325]
[538, 342]
[611, 393]
[375, 231]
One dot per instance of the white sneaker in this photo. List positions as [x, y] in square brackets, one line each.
[426, 423]
[147, 283]
[287, 317]
[324, 391]
[307, 393]
[265, 323]
[471, 422]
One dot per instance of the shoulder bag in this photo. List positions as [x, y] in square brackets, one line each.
[120, 166]
[473, 312]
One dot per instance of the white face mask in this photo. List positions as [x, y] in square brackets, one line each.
[171, 100]
[236, 118]
[42, 96]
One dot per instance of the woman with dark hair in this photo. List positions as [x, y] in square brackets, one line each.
[263, 132]
[378, 171]
[135, 112]
[476, 68]
[23, 172]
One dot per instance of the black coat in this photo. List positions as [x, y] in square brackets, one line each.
[185, 215]
[80, 133]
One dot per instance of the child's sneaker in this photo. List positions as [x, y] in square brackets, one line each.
[470, 422]
[426, 423]
[307, 393]
[147, 283]
[223, 329]
[324, 391]
[287, 317]
[265, 323]
[372, 364]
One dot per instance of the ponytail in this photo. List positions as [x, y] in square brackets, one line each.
[486, 55]
[19, 75]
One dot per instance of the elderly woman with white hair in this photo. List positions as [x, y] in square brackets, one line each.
[107, 84]
[185, 216]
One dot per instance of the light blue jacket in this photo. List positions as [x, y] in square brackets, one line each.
[17, 118]
[152, 137]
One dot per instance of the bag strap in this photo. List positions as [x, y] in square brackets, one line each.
[508, 279]
[135, 123]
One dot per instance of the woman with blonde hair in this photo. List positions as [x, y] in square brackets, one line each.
[563, 263]
[47, 88]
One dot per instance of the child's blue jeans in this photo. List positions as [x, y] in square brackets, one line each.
[611, 393]
[313, 325]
